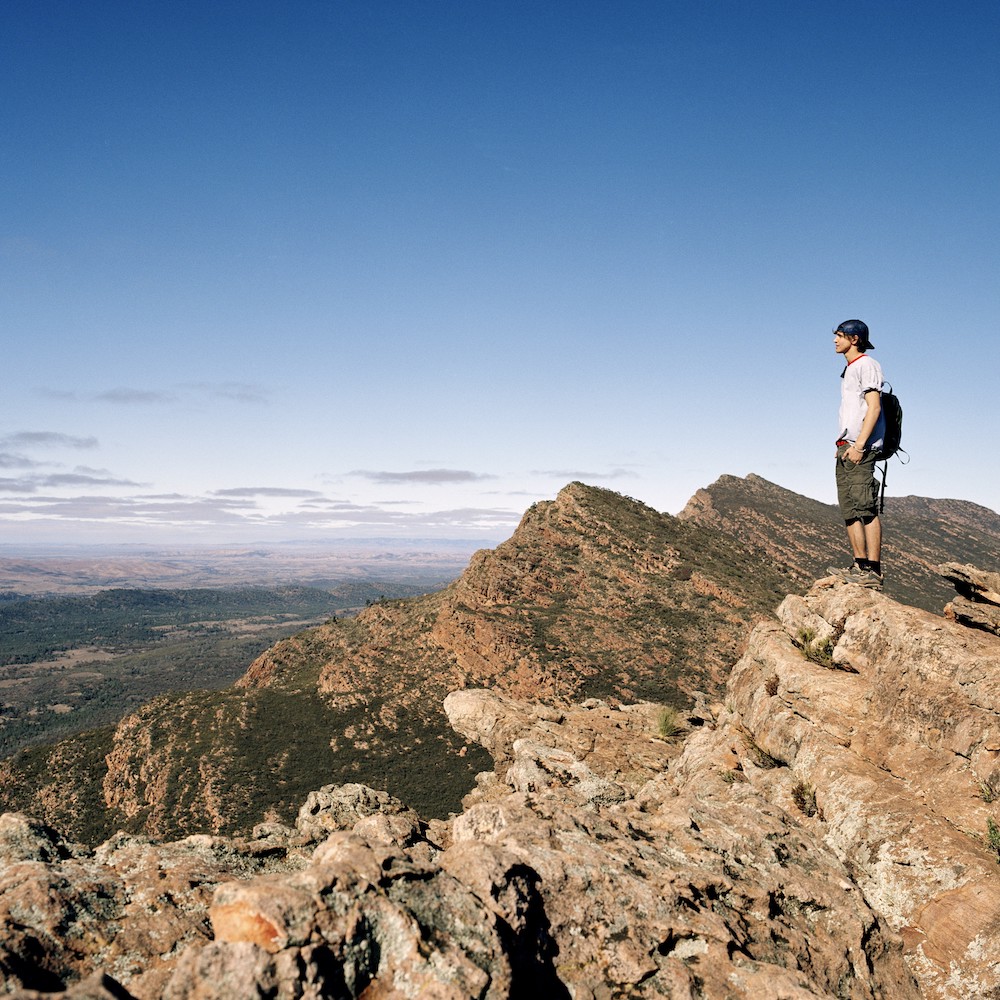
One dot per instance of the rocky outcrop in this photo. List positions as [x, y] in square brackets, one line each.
[830, 830]
[887, 717]
[978, 602]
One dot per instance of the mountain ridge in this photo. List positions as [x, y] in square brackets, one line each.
[594, 595]
[803, 535]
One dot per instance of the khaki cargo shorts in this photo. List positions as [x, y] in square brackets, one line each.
[857, 490]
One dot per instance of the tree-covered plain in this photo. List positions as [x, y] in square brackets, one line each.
[73, 663]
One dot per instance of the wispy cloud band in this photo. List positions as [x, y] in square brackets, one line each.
[432, 477]
[46, 439]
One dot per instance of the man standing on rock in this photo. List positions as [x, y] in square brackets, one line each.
[862, 429]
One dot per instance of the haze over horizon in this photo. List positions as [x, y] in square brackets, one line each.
[310, 270]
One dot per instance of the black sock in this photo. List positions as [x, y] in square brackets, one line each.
[861, 563]
[875, 567]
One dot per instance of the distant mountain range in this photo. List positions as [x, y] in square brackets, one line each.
[595, 595]
[86, 569]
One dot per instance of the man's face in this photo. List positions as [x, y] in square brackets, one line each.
[842, 343]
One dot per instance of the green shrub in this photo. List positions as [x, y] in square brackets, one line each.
[993, 837]
[669, 724]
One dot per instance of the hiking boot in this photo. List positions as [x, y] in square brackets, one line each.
[853, 574]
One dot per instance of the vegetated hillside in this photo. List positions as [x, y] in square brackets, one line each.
[803, 536]
[595, 594]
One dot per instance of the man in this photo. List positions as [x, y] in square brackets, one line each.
[862, 429]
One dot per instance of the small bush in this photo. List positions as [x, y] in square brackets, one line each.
[759, 757]
[804, 797]
[987, 791]
[668, 723]
[993, 837]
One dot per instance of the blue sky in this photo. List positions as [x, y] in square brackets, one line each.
[308, 269]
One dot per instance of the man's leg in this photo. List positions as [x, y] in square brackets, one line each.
[873, 540]
[866, 539]
[857, 496]
[856, 536]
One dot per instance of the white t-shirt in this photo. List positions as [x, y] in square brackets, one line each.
[862, 375]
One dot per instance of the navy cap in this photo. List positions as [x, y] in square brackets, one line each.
[854, 327]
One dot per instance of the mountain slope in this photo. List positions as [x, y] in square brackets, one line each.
[828, 829]
[803, 536]
[595, 594]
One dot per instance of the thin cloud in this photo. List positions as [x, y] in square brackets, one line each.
[130, 397]
[574, 474]
[238, 392]
[8, 460]
[126, 510]
[431, 477]
[82, 479]
[171, 512]
[8, 485]
[46, 439]
[267, 491]
[325, 503]
[86, 470]
[458, 519]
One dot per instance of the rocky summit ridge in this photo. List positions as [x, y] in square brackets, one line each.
[827, 829]
[680, 791]
[799, 536]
